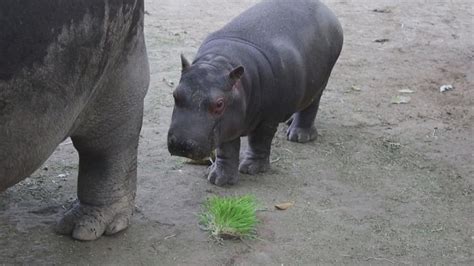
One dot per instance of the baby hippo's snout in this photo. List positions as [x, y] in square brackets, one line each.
[186, 148]
[180, 147]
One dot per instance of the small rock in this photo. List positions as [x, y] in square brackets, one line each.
[283, 206]
[446, 88]
[382, 10]
[170, 83]
[393, 146]
[401, 99]
[382, 40]
[405, 91]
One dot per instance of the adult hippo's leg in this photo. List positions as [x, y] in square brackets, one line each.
[107, 173]
[301, 126]
[106, 185]
[106, 137]
[257, 158]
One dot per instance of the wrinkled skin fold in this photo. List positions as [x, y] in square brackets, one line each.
[75, 69]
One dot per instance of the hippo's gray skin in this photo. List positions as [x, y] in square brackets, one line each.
[75, 69]
[266, 66]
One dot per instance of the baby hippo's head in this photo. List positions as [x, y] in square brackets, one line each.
[206, 96]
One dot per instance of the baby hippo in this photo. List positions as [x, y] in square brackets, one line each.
[269, 64]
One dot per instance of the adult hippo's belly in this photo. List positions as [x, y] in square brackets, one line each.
[75, 69]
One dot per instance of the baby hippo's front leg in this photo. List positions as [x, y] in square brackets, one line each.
[224, 171]
[257, 158]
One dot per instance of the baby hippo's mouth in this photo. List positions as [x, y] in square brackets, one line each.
[198, 156]
[188, 148]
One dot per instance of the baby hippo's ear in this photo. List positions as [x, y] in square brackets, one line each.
[184, 63]
[237, 73]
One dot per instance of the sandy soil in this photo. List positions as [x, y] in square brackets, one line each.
[383, 184]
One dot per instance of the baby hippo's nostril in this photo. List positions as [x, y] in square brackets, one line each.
[180, 147]
[173, 145]
[172, 139]
[190, 145]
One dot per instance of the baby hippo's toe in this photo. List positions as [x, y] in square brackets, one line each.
[301, 135]
[220, 175]
[254, 166]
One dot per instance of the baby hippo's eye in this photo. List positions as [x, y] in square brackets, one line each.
[218, 107]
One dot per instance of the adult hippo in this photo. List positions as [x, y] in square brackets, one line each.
[270, 63]
[75, 69]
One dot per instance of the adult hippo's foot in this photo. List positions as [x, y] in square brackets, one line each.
[106, 185]
[107, 144]
[88, 222]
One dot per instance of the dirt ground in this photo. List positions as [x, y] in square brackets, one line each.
[383, 184]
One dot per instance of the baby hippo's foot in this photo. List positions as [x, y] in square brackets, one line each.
[301, 135]
[253, 166]
[87, 222]
[220, 175]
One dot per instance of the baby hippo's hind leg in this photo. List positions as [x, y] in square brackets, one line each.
[301, 125]
[257, 157]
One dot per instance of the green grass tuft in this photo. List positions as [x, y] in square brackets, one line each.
[229, 217]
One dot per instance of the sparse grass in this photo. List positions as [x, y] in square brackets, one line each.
[229, 217]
